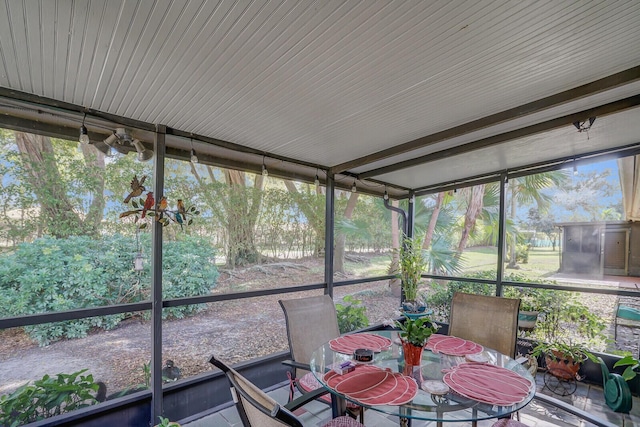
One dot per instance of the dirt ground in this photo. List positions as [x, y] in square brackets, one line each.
[116, 357]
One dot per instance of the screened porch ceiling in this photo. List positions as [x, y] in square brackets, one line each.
[398, 95]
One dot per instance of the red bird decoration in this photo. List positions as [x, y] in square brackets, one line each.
[136, 187]
[148, 204]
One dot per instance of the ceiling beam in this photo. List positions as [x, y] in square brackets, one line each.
[603, 110]
[606, 83]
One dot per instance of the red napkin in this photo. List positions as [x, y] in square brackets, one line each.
[348, 343]
[488, 383]
[371, 385]
[453, 346]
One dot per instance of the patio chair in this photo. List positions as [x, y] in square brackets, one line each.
[258, 409]
[311, 322]
[487, 320]
[625, 316]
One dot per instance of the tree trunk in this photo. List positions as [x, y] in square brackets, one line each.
[58, 215]
[432, 222]
[242, 208]
[473, 212]
[338, 255]
[314, 215]
[512, 250]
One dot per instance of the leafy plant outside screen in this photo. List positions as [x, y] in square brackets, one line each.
[52, 274]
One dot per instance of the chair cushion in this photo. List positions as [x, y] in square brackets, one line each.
[309, 383]
[507, 422]
[343, 422]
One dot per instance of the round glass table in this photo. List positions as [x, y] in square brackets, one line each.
[449, 407]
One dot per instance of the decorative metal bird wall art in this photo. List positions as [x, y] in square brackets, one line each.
[145, 206]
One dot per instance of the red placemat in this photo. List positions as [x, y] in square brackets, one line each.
[348, 343]
[453, 346]
[488, 383]
[371, 386]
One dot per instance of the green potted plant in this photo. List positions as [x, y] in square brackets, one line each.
[632, 367]
[532, 303]
[164, 422]
[414, 333]
[563, 358]
[412, 264]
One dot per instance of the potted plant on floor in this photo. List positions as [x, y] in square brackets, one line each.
[563, 359]
[412, 264]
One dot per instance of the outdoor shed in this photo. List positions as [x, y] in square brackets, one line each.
[609, 247]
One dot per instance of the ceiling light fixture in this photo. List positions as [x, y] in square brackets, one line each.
[113, 142]
[143, 153]
[265, 172]
[583, 126]
[84, 135]
[353, 188]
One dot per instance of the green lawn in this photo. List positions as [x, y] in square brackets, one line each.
[543, 262]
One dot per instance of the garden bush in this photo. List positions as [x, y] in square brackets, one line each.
[351, 315]
[563, 315]
[52, 274]
[47, 397]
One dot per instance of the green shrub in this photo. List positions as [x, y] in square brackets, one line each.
[47, 398]
[51, 275]
[439, 299]
[563, 316]
[351, 316]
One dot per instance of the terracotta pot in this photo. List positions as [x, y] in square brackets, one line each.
[412, 354]
[562, 367]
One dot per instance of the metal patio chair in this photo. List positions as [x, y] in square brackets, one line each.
[311, 322]
[257, 409]
[487, 320]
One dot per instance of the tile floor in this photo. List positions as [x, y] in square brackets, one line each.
[587, 397]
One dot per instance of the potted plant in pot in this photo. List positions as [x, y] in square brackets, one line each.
[414, 333]
[412, 263]
[563, 359]
[532, 302]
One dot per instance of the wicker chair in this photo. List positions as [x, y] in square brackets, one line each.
[311, 322]
[257, 409]
[487, 320]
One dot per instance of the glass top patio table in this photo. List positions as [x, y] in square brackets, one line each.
[425, 406]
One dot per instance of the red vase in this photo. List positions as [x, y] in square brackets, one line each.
[412, 357]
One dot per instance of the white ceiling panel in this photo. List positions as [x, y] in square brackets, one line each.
[322, 82]
[608, 132]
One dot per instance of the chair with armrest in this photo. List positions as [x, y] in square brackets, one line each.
[258, 409]
[311, 322]
[487, 320]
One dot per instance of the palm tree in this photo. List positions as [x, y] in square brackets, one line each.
[527, 190]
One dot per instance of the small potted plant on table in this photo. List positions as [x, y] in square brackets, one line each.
[414, 333]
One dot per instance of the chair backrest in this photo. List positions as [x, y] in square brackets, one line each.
[255, 407]
[311, 322]
[487, 320]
